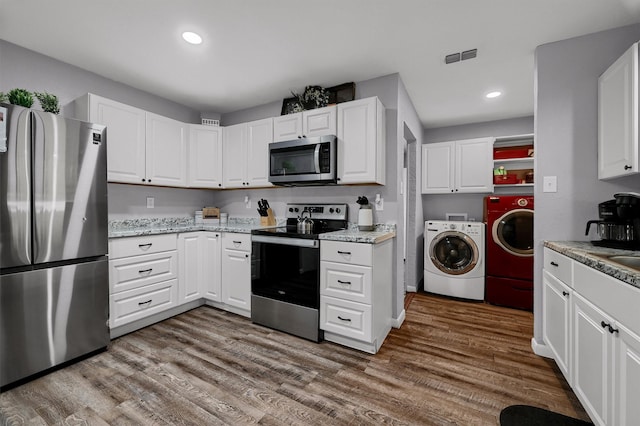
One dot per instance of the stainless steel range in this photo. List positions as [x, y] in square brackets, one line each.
[285, 283]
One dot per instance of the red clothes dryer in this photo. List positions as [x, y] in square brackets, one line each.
[509, 257]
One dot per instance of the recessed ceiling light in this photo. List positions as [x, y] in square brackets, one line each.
[191, 37]
[491, 95]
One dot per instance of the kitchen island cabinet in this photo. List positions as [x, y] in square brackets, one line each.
[355, 293]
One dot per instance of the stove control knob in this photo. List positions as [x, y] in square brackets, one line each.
[452, 226]
[291, 209]
[296, 210]
[338, 210]
[331, 210]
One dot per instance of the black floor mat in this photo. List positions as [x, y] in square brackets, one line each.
[526, 415]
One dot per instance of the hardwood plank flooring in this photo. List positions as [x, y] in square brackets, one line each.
[451, 363]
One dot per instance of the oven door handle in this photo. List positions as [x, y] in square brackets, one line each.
[316, 158]
[286, 241]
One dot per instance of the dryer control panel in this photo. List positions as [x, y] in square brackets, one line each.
[468, 228]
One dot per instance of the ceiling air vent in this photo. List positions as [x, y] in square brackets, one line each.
[457, 57]
[454, 57]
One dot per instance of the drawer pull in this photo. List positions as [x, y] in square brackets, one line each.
[564, 293]
[344, 282]
[344, 252]
[554, 264]
[604, 324]
[609, 327]
[145, 271]
[237, 242]
[145, 303]
[344, 319]
[142, 246]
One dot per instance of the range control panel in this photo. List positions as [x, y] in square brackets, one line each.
[318, 211]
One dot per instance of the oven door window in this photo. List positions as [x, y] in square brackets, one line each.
[286, 273]
[299, 160]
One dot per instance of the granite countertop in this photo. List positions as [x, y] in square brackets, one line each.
[382, 232]
[592, 256]
[172, 225]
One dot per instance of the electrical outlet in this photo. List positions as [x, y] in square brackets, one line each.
[150, 202]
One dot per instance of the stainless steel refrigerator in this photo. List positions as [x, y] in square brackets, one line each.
[54, 277]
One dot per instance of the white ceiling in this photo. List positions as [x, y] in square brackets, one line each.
[258, 51]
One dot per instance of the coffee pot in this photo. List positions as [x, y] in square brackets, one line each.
[619, 223]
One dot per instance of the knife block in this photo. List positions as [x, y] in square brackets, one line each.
[269, 219]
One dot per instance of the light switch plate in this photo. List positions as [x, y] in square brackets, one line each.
[150, 202]
[550, 184]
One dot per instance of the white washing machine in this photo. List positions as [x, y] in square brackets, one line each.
[454, 258]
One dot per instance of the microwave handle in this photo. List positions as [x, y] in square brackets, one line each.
[316, 158]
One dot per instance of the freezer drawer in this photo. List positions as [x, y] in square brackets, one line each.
[50, 316]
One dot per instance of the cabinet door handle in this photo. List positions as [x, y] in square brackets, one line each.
[604, 324]
[145, 245]
[554, 264]
[564, 293]
[613, 330]
[237, 242]
[344, 319]
[145, 303]
[344, 252]
[627, 167]
[344, 282]
[145, 271]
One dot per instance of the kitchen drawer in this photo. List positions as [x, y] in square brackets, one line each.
[351, 253]
[346, 318]
[133, 246]
[351, 282]
[132, 305]
[138, 271]
[235, 241]
[558, 265]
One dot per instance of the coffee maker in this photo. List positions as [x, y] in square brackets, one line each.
[619, 223]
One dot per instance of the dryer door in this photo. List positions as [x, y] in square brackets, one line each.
[454, 253]
[513, 232]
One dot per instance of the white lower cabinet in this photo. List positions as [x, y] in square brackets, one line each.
[236, 272]
[199, 266]
[355, 293]
[592, 326]
[142, 277]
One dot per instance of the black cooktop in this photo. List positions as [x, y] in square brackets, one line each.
[291, 231]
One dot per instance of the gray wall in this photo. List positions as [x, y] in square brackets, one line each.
[27, 69]
[436, 206]
[566, 140]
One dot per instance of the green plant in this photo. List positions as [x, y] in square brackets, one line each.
[312, 97]
[21, 97]
[48, 102]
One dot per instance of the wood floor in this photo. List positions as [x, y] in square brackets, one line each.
[451, 363]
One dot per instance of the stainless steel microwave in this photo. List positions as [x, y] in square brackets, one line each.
[304, 161]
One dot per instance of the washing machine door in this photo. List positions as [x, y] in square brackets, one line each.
[513, 232]
[454, 253]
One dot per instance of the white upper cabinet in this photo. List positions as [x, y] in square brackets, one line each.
[143, 148]
[205, 157]
[246, 154]
[125, 136]
[315, 122]
[458, 167]
[166, 151]
[618, 153]
[361, 142]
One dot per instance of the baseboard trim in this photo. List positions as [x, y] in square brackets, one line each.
[397, 322]
[541, 349]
